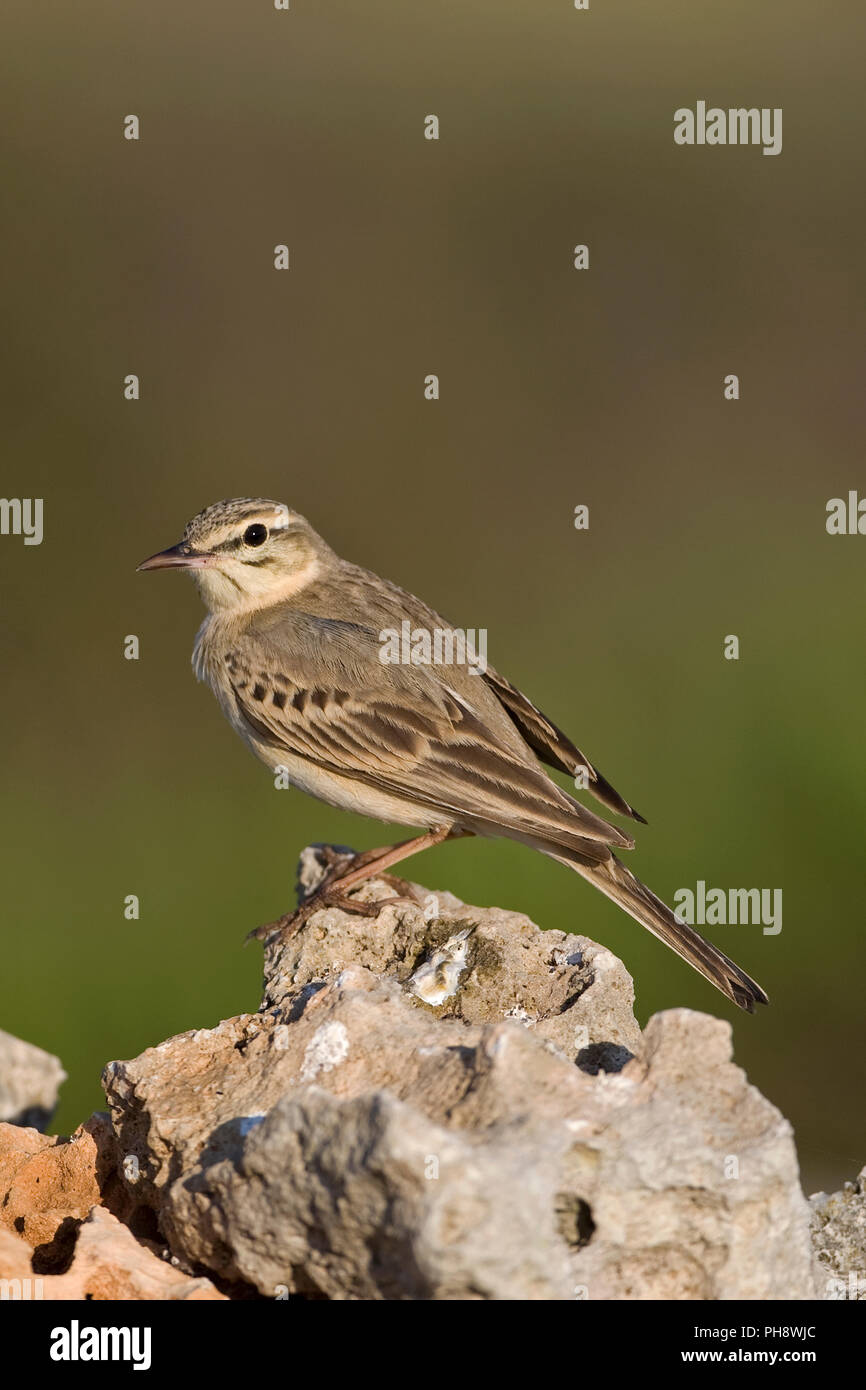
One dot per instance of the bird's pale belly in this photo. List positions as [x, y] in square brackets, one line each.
[343, 792]
[347, 794]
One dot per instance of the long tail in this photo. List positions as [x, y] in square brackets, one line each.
[620, 885]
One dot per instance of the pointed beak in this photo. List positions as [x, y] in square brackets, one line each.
[177, 557]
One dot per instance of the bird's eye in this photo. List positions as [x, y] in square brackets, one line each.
[255, 535]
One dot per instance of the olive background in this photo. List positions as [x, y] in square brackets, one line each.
[558, 387]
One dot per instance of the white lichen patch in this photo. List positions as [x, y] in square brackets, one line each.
[604, 960]
[439, 977]
[327, 1048]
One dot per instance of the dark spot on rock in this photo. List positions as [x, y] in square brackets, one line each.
[55, 1256]
[574, 1220]
[605, 1056]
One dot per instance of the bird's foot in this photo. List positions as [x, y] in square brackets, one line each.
[328, 895]
[339, 865]
[291, 922]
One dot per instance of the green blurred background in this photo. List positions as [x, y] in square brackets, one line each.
[602, 387]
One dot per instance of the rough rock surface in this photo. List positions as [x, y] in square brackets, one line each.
[29, 1082]
[108, 1264]
[839, 1238]
[443, 1101]
[58, 1239]
[47, 1187]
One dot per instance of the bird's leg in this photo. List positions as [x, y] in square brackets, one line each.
[334, 887]
[374, 861]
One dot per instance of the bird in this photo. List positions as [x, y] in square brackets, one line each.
[294, 648]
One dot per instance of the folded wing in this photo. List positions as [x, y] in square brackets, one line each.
[404, 731]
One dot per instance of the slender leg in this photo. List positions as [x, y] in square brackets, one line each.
[364, 866]
[375, 861]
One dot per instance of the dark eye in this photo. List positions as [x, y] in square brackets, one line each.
[255, 535]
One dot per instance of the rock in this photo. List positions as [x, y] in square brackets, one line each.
[58, 1240]
[49, 1184]
[839, 1238]
[29, 1082]
[17, 1278]
[108, 1263]
[445, 1102]
[563, 988]
[47, 1187]
[694, 1188]
[369, 1199]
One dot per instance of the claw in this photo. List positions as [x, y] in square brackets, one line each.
[328, 894]
[291, 922]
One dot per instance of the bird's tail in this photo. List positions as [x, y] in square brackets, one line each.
[620, 885]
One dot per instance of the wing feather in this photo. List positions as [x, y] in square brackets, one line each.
[407, 734]
[552, 746]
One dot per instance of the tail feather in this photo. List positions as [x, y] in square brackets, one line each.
[620, 885]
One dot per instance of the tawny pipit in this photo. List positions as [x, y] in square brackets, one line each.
[292, 648]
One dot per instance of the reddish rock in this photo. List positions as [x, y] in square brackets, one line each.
[108, 1263]
[48, 1185]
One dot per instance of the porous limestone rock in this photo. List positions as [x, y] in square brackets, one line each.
[48, 1185]
[108, 1263]
[839, 1239]
[441, 1101]
[58, 1240]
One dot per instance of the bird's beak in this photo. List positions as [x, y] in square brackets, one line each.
[177, 557]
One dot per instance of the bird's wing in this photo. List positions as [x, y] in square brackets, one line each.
[552, 746]
[316, 688]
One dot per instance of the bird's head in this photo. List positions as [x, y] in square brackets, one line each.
[245, 553]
